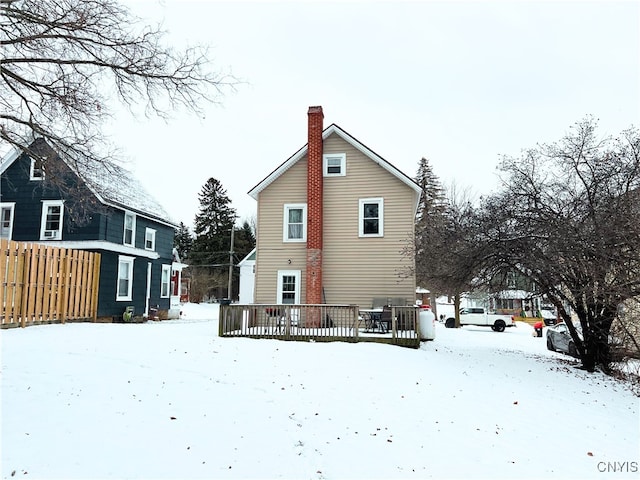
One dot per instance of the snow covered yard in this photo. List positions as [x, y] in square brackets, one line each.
[173, 400]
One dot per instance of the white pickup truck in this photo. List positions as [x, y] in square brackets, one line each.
[477, 316]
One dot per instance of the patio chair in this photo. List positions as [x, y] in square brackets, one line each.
[281, 317]
[385, 319]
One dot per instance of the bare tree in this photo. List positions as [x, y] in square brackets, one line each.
[569, 220]
[446, 249]
[64, 62]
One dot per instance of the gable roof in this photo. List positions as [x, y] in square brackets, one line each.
[112, 185]
[331, 129]
[251, 257]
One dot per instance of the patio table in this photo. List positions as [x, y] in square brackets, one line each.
[373, 322]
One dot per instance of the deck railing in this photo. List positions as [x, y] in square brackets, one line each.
[320, 323]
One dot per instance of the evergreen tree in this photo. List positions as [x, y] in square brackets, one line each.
[213, 224]
[183, 241]
[433, 200]
[244, 241]
[429, 219]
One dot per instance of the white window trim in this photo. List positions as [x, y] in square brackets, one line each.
[128, 297]
[32, 170]
[285, 222]
[294, 273]
[343, 164]
[152, 232]
[12, 208]
[362, 202]
[43, 219]
[167, 269]
[133, 230]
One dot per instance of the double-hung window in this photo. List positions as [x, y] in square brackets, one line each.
[371, 217]
[334, 165]
[288, 290]
[6, 220]
[149, 239]
[125, 278]
[51, 221]
[295, 223]
[165, 283]
[129, 236]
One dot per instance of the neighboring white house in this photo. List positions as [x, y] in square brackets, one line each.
[247, 278]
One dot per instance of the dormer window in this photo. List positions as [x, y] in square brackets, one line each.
[334, 165]
[36, 171]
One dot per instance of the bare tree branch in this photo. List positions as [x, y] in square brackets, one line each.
[569, 220]
[64, 60]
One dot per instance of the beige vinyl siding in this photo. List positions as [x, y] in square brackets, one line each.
[272, 254]
[355, 270]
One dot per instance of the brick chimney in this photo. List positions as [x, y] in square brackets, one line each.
[314, 206]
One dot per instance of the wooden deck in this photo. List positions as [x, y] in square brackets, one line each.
[317, 323]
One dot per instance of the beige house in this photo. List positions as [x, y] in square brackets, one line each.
[332, 224]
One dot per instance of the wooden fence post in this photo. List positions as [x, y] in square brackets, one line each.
[66, 286]
[53, 284]
[95, 285]
[39, 251]
[6, 294]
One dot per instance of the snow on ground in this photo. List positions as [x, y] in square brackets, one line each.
[173, 400]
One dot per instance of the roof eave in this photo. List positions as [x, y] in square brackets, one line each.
[9, 158]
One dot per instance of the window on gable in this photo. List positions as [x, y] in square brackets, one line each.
[129, 229]
[334, 165]
[371, 217]
[149, 239]
[37, 170]
[165, 282]
[295, 223]
[125, 278]
[6, 220]
[51, 221]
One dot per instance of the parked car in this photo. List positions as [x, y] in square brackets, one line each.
[559, 339]
[477, 316]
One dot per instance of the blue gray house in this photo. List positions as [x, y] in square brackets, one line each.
[100, 209]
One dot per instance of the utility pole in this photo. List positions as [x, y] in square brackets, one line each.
[229, 296]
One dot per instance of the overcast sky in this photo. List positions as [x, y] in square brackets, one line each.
[460, 83]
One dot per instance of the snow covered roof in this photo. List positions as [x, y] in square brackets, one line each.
[117, 187]
[331, 129]
[111, 184]
[513, 294]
